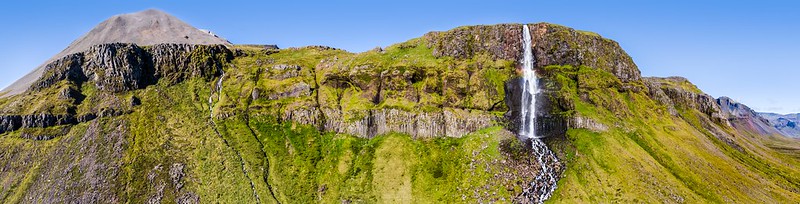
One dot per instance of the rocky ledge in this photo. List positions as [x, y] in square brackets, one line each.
[14, 122]
[552, 45]
[678, 92]
[115, 68]
[122, 67]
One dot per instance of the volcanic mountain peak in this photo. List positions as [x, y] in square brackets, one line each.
[147, 27]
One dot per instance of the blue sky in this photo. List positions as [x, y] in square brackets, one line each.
[748, 51]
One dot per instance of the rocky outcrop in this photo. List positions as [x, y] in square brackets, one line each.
[145, 28]
[370, 99]
[678, 92]
[501, 41]
[548, 123]
[174, 63]
[46, 120]
[552, 45]
[587, 123]
[742, 117]
[299, 89]
[10, 123]
[283, 71]
[67, 68]
[14, 122]
[654, 89]
[114, 68]
[122, 67]
[447, 123]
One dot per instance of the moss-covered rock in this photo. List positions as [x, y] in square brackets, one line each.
[420, 121]
[552, 45]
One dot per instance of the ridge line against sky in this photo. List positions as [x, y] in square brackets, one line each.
[746, 51]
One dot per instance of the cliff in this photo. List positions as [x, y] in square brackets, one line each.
[552, 45]
[149, 27]
[109, 69]
[431, 119]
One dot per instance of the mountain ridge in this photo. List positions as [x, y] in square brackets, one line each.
[785, 123]
[410, 122]
[148, 27]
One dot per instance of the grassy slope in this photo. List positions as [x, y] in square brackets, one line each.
[309, 167]
[304, 165]
[649, 156]
[253, 154]
[646, 155]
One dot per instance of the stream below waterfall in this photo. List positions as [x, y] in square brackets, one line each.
[544, 184]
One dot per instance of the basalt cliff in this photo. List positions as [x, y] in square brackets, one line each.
[430, 120]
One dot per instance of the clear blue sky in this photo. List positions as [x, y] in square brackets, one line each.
[747, 51]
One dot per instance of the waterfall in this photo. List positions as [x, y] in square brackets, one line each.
[529, 88]
[218, 88]
[544, 184]
[219, 95]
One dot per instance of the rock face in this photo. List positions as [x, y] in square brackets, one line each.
[678, 93]
[122, 67]
[787, 124]
[741, 116]
[587, 123]
[501, 41]
[174, 63]
[15, 122]
[116, 68]
[150, 27]
[447, 123]
[547, 123]
[447, 84]
[552, 45]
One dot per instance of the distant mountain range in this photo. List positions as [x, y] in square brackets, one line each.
[787, 124]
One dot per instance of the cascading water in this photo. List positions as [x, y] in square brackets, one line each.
[529, 88]
[219, 95]
[542, 188]
[218, 88]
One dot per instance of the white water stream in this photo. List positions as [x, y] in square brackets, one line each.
[529, 88]
[542, 188]
[218, 88]
[219, 96]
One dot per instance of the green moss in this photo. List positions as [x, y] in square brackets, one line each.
[680, 83]
[307, 166]
[251, 152]
[675, 159]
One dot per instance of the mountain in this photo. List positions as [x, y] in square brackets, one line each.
[786, 124]
[434, 119]
[149, 27]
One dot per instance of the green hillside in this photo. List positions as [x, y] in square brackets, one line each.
[421, 121]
